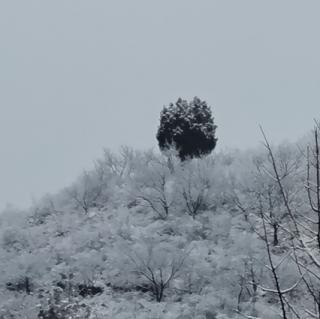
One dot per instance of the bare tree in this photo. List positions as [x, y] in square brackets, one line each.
[86, 192]
[195, 186]
[249, 281]
[158, 267]
[262, 190]
[118, 164]
[313, 185]
[153, 188]
[304, 239]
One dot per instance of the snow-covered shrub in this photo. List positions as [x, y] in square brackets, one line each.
[57, 305]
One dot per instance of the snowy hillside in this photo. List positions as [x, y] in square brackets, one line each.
[232, 235]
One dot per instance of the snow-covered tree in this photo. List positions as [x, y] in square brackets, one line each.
[153, 187]
[157, 265]
[187, 127]
[195, 186]
[88, 191]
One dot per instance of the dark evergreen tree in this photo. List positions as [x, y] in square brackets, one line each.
[187, 127]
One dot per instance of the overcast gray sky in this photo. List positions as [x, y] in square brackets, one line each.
[80, 75]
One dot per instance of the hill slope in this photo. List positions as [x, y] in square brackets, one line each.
[139, 236]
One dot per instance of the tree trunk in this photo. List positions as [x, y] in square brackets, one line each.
[275, 235]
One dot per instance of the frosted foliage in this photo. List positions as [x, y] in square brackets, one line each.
[153, 187]
[145, 235]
